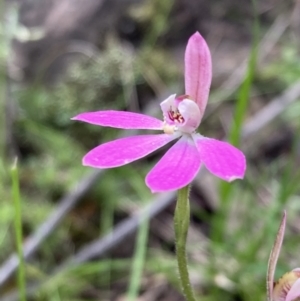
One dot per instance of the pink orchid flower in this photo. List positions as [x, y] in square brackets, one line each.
[182, 116]
[287, 288]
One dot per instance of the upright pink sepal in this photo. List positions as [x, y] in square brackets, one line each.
[121, 120]
[198, 70]
[125, 150]
[176, 169]
[294, 292]
[221, 158]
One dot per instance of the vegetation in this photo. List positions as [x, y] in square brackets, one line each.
[232, 228]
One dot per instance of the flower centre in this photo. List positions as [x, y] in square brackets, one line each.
[180, 114]
[175, 116]
[284, 284]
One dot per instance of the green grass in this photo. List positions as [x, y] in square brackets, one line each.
[21, 279]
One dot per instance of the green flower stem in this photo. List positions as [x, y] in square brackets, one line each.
[181, 225]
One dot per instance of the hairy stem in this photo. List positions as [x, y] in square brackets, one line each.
[181, 225]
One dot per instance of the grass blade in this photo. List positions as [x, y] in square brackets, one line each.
[18, 230]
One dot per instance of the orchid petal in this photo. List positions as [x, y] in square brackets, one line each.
[198, 70]
[177, 168]
[121, 120]
[125, 150]
[221, 158]
[191, 115]
[294, 292]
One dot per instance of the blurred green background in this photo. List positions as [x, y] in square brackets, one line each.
[60, 58]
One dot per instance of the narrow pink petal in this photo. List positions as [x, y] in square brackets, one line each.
[121, 120]
[125, 150]
[221, 158]
[294, 292]
[198, 70]
[177, 168]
